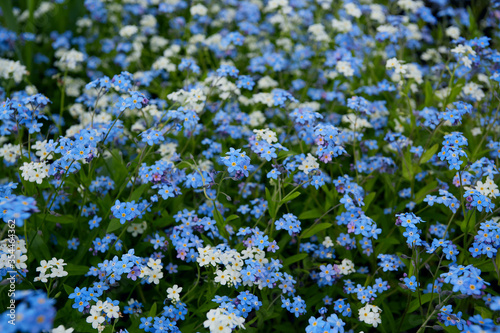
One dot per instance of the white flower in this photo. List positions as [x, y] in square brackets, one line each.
[370, 314]
[157, 43]
[344, 67]
[44, 8]
[355, 122]
[413, 72]
[99, 306]
[266, 134]
[51, 269]
[342, 26]
[167, 150]
[392, 63]
[204, 255]
[137, 228]
[10, 152]
[128, 31]
[20, 259]
[62, 329]
[58, 272]
[476, 131]
[165, 64]
[257, 118]
[44, 266]
[174, 293]
[463, 49]
[318, 32]
[401, 68]
[148, 21]
[453, 32]
[346, 267]
[352, 9]
[155, 276]
[57, 262]
[474, 90]
[222, 277]
[266, 82]
[431, 54]
[235, 277]
[387, 28]
[198, 9]
[95, 319]
[34, 172]
[264, 98]
[377, 13]
[219, 320]
[327, 242]
[12, 69]
[488, 188]
[112, 311]
[41, 150]
[70, 59]
[308, 164]
[410, 5]
[273, 5]
[154, 264]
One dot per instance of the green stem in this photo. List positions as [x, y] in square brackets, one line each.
[61, 107]
[422, 328]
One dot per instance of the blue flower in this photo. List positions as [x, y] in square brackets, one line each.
[411, 283]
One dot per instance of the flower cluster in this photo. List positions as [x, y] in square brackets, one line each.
[51, 269]
[370, 314]
[277, 165]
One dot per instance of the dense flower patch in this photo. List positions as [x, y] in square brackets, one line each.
[257, 166]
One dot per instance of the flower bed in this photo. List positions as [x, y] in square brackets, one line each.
[256, 166]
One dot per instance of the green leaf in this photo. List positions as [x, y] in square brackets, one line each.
[163, 222]
[83, 178]
[484, 266]
[368, 200]
[315, 229]
[68, 289]
[429, 93]
[185, 268]
[8, 15]
[283, 154]
[220, 223]
[421, 194]
[118, 167]
[231, 217]
[289, 197]
[183, 165]
[427, 155]
[469, 220]
[113, 225]
[310, 214]
[387, 314]
[39, 248]
[293, 259]
[415, 304]
[407, 168]
[455, 91]
[386, 244]
[329, 199]
[136, 195]
[188, 328]
[484, 312]
[62, 219]
[76, 269]
[152, 311]
[271, 204]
